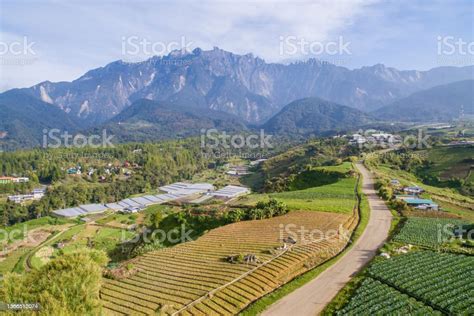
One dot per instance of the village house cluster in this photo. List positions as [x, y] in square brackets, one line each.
[411, 196]
[377, 138]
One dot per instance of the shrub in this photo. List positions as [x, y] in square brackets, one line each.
[67, 285]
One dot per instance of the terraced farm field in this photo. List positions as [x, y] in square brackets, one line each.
[441, 280]
[195, 278]
[428, 232]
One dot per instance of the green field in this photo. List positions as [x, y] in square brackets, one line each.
[441, 280]
[338, 197]
[376, 298]
[448, 162]
[429, 232]
[9, 263]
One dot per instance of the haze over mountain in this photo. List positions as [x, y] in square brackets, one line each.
[243, 85]
[315, 116]
[440, 103]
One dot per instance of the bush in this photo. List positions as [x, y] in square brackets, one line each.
[67, 285]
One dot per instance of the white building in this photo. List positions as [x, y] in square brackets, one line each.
[231, 191]
[183, 188]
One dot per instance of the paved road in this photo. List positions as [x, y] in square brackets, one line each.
[311, 298]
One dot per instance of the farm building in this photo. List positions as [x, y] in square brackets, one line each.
[130, 202]
[152, 198]
[183, 188]
[405, 196]
[142, 201]
[81, 210]
[36, 194]
[115, 206]
[422, 204]
[231, 191]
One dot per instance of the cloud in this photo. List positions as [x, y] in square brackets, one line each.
[75, 36]
[84, 34]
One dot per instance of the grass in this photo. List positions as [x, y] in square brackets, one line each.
[336, 197]
[450, 162]
[12, 260]
[22, 228]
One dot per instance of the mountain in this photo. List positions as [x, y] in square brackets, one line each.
[315, 116]
[242, 85]
[23, 119]
[147, 120]
[438, 104]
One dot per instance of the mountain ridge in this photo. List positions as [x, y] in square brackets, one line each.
[242, 85]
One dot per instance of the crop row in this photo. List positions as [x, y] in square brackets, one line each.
[429, 232]
[375, 298]
[440, 279]
[174, 277]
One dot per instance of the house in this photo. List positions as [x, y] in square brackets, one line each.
[131, 209]
[6, 180]
[20, 198]
[21, 180]
[405, 196]
[394, 182]
[413, 190]
[257, 162]
[422, 204]
[36, 194]
[74, 171]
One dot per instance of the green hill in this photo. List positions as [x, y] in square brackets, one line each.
[314, 116]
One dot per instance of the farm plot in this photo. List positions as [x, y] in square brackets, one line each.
[375, 298]
[337, 197]
[428, 232]
[195, 277]
[441, 280]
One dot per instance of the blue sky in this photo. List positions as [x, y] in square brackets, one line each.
[67, 38]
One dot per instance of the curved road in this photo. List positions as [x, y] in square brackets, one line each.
[311, 298]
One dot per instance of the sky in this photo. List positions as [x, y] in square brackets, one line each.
[61, 40]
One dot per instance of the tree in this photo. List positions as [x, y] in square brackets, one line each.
[67, 285]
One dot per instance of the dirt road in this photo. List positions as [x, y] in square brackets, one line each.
[311, 298]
